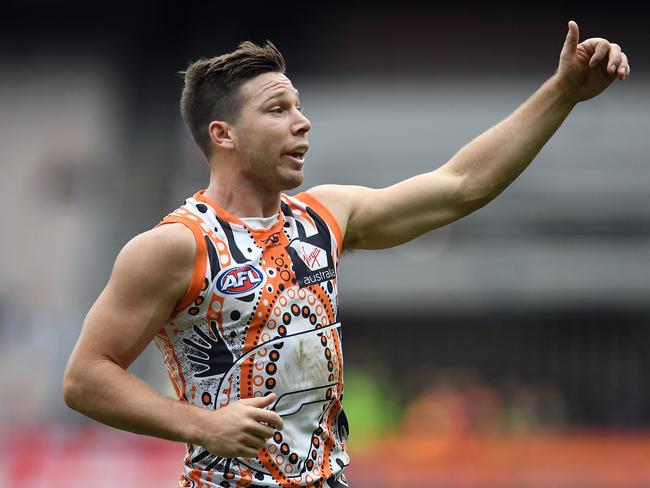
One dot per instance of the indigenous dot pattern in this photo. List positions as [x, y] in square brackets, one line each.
[275, 337]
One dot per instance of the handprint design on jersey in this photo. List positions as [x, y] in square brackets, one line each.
[260, 316]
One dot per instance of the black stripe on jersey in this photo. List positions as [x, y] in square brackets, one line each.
[201, 456]
[286, 209]
[213, 257]
[234, 250]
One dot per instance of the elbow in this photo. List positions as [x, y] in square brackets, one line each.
[474, 196]
[72, 388]
[70, 392]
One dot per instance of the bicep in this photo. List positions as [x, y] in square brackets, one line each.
[387, 217]
[147, 281]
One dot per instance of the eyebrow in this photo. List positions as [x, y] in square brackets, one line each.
[278, 95]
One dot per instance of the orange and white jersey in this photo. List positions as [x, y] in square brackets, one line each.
[260, 316]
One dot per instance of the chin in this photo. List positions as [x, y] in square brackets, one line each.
[289, 182]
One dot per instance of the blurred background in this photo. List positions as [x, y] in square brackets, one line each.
[508, 349]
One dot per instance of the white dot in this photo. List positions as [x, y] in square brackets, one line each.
[224, 259]
[216, 306]
[265, 302]
[220, 246]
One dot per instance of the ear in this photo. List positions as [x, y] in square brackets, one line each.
[221, 134]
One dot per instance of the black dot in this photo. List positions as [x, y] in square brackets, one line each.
[206, 398]
[250, 250]
[233, 334]
[202, 208]
[305, 311]
[234, 315]
[286, 318]
[193, 311]
[260, 476]
[340, 463]
[287, 224]
[330, 288]
[278, 345]
[281, 286]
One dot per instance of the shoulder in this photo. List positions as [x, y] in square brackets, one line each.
[172, 242]
[342, 201]
[162, 258]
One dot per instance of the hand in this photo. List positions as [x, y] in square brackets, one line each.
[586, 69]
[241, 428]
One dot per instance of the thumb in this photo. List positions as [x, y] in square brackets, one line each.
[571, 41]
[258, 402]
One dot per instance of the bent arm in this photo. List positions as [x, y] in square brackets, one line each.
[150, 275]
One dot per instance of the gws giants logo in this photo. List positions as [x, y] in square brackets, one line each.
[239, 280]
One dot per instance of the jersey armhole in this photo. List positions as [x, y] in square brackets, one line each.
[200, 261]
[325, 214]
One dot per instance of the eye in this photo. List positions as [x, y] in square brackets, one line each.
[276, 110]
[299, 108]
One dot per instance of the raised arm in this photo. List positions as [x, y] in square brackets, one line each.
[150, 276]
[480, 171]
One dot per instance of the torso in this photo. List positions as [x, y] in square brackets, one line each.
[261, 316]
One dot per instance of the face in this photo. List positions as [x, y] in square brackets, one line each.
[270, 136]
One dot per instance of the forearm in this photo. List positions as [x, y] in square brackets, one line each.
[105, 392]
[489, 163]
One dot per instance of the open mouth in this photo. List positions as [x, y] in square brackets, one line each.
[298, 156]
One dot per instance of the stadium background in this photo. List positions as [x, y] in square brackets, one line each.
[508, 349]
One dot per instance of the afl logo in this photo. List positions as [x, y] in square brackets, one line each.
[239, 280]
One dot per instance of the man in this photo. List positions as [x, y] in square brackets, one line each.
[238, 285]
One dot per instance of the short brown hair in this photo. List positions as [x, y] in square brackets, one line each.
[211, 90]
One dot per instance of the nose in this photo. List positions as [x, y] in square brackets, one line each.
[302, 124]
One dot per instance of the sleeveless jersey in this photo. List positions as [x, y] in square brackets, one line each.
[260, 316]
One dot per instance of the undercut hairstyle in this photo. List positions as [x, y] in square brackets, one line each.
[212, 86]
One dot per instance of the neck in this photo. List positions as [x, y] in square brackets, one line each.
[242, 197]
